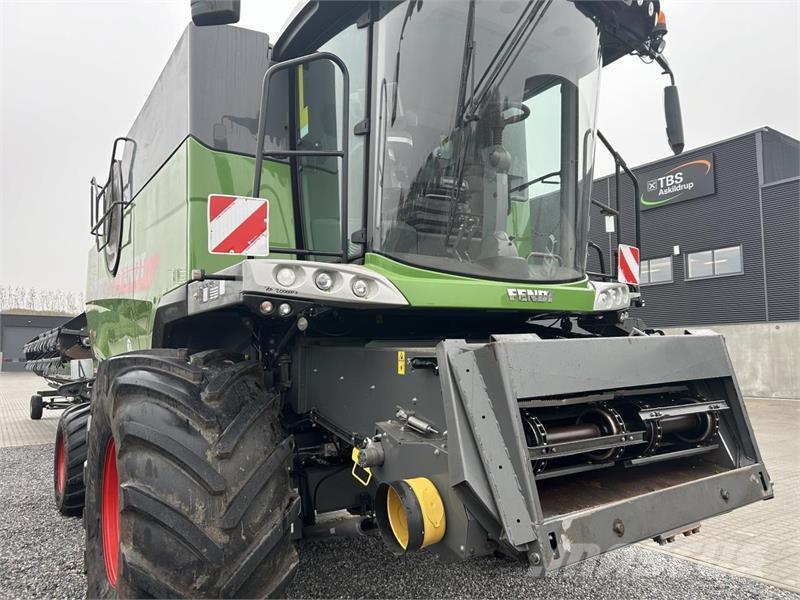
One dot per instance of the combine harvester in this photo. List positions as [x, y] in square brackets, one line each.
[347, 271]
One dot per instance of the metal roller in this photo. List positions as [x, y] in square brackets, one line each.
[535, 435]
[704, 427]
[654, 433]
[696, 428]
[609, 422]
[633, 427]
[679, 424]
[572, 433]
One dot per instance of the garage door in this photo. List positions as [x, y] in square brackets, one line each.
[14, 338]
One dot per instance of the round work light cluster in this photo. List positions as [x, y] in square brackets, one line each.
[611, 296]
[330, 281]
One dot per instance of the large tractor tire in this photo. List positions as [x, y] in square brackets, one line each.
[68, 457]
[37, 407]
[187, 487]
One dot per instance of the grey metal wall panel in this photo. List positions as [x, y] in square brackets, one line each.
[14, 338]
[227, 66]
[728, 218]
[210, 88]
[162, 122]
[782, 244]
[18, 329]
[781, 156]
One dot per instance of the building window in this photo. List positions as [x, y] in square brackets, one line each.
[655, 270]
[714, 263]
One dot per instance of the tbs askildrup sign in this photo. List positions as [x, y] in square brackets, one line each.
[670, 184]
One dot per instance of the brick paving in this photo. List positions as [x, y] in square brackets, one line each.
[761, 540]
[16, 426]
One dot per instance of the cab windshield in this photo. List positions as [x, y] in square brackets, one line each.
[486, 141]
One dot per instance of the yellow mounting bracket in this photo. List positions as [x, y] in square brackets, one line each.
[358, 471]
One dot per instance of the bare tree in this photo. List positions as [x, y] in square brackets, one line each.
[34, 299]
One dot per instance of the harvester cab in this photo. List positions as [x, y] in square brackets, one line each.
[361, 253]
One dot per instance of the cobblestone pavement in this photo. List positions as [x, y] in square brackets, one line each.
[16, 426]
[760, 541]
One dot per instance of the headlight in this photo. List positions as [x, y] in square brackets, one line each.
[286, 276]
[604, 300]
[360, 288]
[317, 281]
[610, 296]
[323, 281]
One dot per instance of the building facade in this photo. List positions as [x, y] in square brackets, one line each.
[720, 232]
[17, 328]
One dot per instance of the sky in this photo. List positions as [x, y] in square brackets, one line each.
[74, 74]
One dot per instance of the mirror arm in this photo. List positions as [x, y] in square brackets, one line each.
[662, 62]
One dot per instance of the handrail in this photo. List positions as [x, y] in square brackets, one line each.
[620, 162]
[607, 209]
[343, 153]
[600, 258]
[97, 192]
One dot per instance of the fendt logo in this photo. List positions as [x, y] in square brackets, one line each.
[524, 295]
[689, 180]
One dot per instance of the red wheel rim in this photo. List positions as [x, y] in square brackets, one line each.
[109, 512]
[61, 467]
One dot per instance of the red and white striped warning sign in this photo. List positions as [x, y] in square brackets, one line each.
[238, 225]
[628, 264]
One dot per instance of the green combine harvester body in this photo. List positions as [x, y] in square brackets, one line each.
[348, 272]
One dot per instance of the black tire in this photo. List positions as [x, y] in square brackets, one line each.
[37, 407]
[205, 502]
[69, 454]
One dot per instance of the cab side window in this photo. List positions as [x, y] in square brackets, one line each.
[319, 87]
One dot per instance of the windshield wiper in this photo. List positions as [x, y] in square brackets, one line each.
[509, 50]
[506, 54]
[409, 11]
[467, 61]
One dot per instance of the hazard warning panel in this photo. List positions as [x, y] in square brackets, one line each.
[628, 264]
[238, 225]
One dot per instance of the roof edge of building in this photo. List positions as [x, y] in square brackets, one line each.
[765, 128]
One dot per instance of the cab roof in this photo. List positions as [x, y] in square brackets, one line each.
[624, 24]
[312, 22]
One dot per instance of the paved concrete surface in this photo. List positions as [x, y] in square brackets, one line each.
[760, 541]
[16, 426]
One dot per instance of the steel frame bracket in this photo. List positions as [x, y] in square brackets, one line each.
[514, 515]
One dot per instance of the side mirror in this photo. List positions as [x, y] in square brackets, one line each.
[215, 12]
[672, 114]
